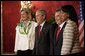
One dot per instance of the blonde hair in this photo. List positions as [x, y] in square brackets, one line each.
[29, 12]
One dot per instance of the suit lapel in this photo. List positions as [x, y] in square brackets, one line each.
[55, 34]
[42, 31]
[44, 28]
[61, 32]
[37, 37]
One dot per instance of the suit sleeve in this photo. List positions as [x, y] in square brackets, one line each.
[52, 30]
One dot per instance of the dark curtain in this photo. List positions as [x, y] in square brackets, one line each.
[11, 17]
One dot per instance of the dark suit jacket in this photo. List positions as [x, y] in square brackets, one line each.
[42, 43]
[57, 44]
[52, 30]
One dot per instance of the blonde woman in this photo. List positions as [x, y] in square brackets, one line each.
[25, 33]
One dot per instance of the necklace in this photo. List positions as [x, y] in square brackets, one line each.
[25, 30]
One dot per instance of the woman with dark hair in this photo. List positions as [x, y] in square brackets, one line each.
[71, 11]
[66, 37]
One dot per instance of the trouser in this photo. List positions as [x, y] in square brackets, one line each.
[26, 52]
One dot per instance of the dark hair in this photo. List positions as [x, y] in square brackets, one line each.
[43, 12]
[71, 11]
[59, 9]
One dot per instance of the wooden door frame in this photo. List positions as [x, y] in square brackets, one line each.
[1, 30]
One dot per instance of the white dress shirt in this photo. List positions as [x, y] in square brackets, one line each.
[25, 41]
[42, 25]
[61, 25]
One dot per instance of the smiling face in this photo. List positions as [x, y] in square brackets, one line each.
[60, 17]
[24, 15]
[39, 17]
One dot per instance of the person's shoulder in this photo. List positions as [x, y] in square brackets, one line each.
[71, 23]
[52, 24]
[20, 24]
[17, 27]
[34, 23]
[48, 23]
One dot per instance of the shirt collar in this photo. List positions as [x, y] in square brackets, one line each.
[61, 25]
[42, 24]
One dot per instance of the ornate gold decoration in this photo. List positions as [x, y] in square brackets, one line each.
[26, 4]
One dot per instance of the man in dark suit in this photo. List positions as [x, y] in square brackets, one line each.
[42, 34]
[56, 40]
[66, 34]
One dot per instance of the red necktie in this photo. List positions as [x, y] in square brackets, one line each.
[39, 31]
[57, 32]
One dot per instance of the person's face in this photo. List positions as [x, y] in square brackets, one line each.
[64, 15]
[58, 18]
[24, 16]
[39, 17]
